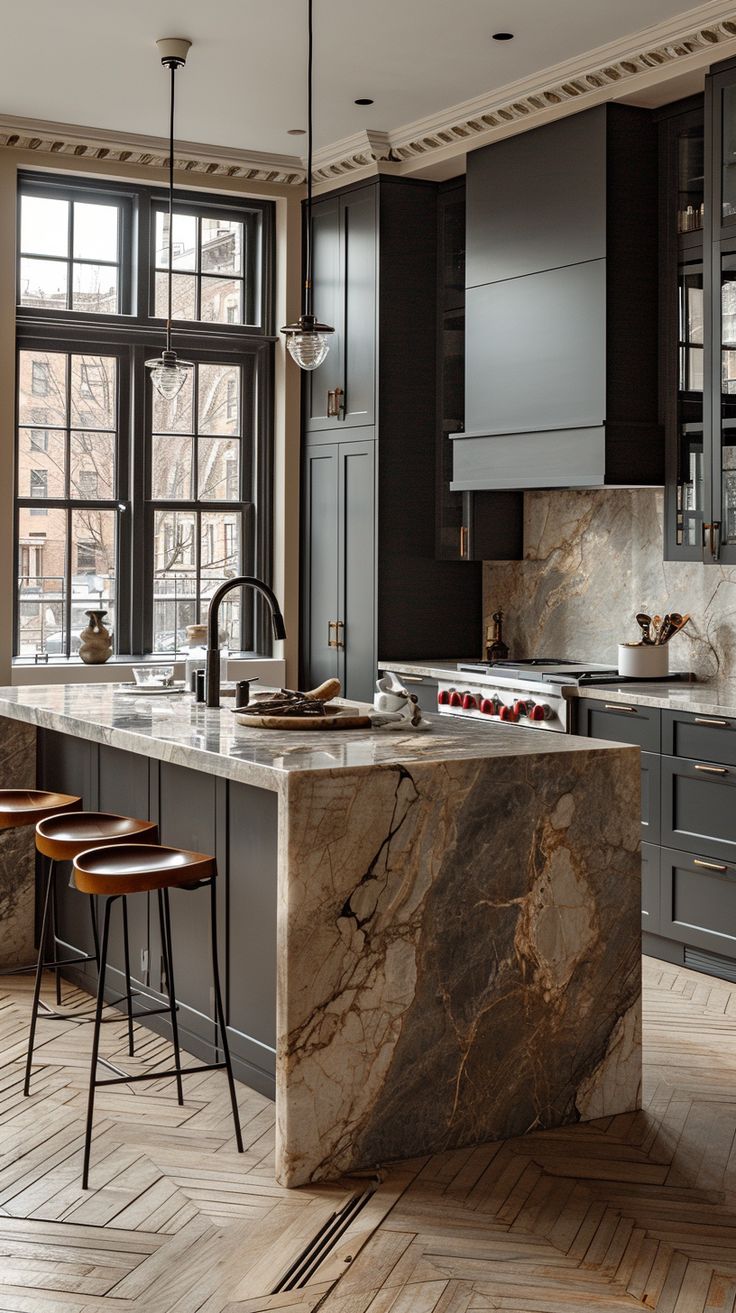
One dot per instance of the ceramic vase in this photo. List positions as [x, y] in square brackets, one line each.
[96, 644]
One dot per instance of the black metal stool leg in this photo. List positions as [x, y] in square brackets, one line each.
[164, 917]
[96, 1041]
[221, 1017]
[95, 928]
[39, 975]
[129, 1001]
[55, 940]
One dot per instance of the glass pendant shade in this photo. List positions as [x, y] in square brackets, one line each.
[169, 374]
[307, 341]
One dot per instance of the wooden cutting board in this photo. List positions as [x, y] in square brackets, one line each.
[305, 722]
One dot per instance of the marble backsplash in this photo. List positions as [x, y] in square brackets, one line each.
[592, 560]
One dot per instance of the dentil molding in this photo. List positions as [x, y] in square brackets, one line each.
[692, 41]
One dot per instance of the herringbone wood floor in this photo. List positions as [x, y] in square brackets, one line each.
[633, 1212]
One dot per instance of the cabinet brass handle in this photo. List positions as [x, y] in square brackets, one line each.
[619, 706]
[412, 679]
[340, 633]
[714, 538]
[334, 403]
[703, 720]
[713, 770]
[709, 866]
[463, 541]
[332, 642]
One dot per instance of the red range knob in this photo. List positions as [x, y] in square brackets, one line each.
[469, 702]
[443, 697]
[521, 708]
[508, 713]
[488, 707]
[540, 711]
[455, 699]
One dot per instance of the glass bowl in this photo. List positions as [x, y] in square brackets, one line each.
[153, 676]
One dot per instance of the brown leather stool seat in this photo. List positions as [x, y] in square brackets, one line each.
[28, 806]
[63, 837]
[134, 868]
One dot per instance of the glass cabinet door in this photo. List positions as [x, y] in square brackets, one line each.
[724, 473]
[690, 165]
[690, 467]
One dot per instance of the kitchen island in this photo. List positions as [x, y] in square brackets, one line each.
[430, 939]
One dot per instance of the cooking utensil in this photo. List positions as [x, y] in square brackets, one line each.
[656, 622]
[644, 622]
[667, 630]
[677, 622]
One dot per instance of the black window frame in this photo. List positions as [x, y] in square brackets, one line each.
[134, 337]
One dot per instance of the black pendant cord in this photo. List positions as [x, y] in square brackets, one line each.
[308, 299]
[172, 68]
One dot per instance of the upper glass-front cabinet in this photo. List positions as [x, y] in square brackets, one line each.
[698, 180]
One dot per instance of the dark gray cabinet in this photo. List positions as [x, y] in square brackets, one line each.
[699, 807]
[339, 569]
[698, 901]
[342, 392]
[650, 889]
[236, 823]
[562, 292]
[470, 526]
[372, 583]
[688, 796]
[620, 722]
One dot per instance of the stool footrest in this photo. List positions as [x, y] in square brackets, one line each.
[160, 1075]
[49, 1014]
[47, 966]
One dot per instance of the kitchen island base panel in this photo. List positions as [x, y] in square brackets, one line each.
[459, 957]
[17, 851]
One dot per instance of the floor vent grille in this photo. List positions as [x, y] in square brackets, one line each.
[299, 1274]
[712, 963]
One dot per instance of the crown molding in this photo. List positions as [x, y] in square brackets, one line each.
[694, 40]
[622, 68]
[148, 152]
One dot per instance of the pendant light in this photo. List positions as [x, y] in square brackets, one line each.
[168, 372]
[307, 338]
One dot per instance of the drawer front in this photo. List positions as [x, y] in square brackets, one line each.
[698, 901]
[620, 722]
[702, 738]
[699, 807]
[651, 775]
[650, 890]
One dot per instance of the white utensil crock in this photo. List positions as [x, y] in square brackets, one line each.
[643, 660]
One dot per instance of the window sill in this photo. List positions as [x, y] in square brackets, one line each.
[119, 669]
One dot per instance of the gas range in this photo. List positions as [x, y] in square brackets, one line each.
[535, 693]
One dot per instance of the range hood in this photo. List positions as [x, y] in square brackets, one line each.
[561, 308]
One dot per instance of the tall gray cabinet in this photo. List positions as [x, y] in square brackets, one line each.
[372, 584]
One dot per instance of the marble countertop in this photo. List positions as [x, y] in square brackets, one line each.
[175, 729]
[714, 697]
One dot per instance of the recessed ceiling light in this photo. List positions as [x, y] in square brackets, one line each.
[503, 36]
[364, 100]
[296, 132]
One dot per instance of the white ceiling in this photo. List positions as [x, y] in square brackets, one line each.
[94, 62]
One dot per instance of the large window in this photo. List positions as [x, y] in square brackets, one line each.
[125, 502]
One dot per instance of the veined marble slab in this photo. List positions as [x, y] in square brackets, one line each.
[176, 729]
[459, 949]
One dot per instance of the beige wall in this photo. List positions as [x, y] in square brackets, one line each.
[287, 399]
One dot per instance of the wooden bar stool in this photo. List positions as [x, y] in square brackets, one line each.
[59, 838]
[115, 872]
[21, 807]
